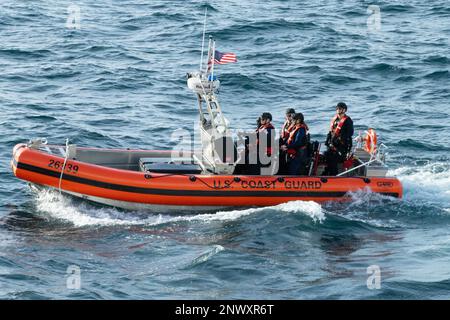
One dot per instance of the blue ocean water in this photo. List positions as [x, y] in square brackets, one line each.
[119, 81]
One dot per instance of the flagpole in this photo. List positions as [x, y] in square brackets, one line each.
[213, 58]
[207, 69]
[203, 39]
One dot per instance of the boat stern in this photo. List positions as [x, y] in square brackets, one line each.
[390, 186]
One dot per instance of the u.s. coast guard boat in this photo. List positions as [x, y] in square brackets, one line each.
[199, 180]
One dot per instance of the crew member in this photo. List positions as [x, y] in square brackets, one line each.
[287, 126]
[339, 140]
[284, 136]
[296, 146]
[253, 152]
[264, 134]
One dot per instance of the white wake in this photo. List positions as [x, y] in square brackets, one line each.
[63, 208]
[430, 182]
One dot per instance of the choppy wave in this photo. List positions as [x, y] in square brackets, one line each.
[430, 182]
[262, 26]
[25, 54]
[439, 60]
[398, 8]
[42, 118]
[339, 79]
[422, 146]
[438, 75]
[406, 78]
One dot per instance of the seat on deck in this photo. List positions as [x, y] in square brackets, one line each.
[183, 166]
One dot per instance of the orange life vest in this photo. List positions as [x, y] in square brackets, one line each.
[291, 151]
[287, 127]
[294, 132]
[336, 126]
[261, 129]
[265, 126]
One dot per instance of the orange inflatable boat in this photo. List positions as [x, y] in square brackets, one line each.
[207, 179]
[138, 179]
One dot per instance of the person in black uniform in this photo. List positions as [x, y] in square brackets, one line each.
[339, 140]
[264, 137]
[284, 136]
[253, 152]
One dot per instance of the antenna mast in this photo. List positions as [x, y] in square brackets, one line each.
[203, 39]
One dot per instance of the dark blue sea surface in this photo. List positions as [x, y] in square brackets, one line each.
[119, 81]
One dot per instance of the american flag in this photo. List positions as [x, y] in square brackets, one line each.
[222, 58]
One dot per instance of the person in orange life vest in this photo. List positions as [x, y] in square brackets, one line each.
[284, 136]
[287, 126]
[251, 166]
[296, 146]
[264, 140]
[339, 139]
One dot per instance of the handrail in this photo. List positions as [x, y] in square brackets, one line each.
[199, 162]
[357, 167]
[373, 157]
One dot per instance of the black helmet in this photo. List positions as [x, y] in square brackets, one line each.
[299, 116]
[290, 111]
[341, 105]
[266, 115]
